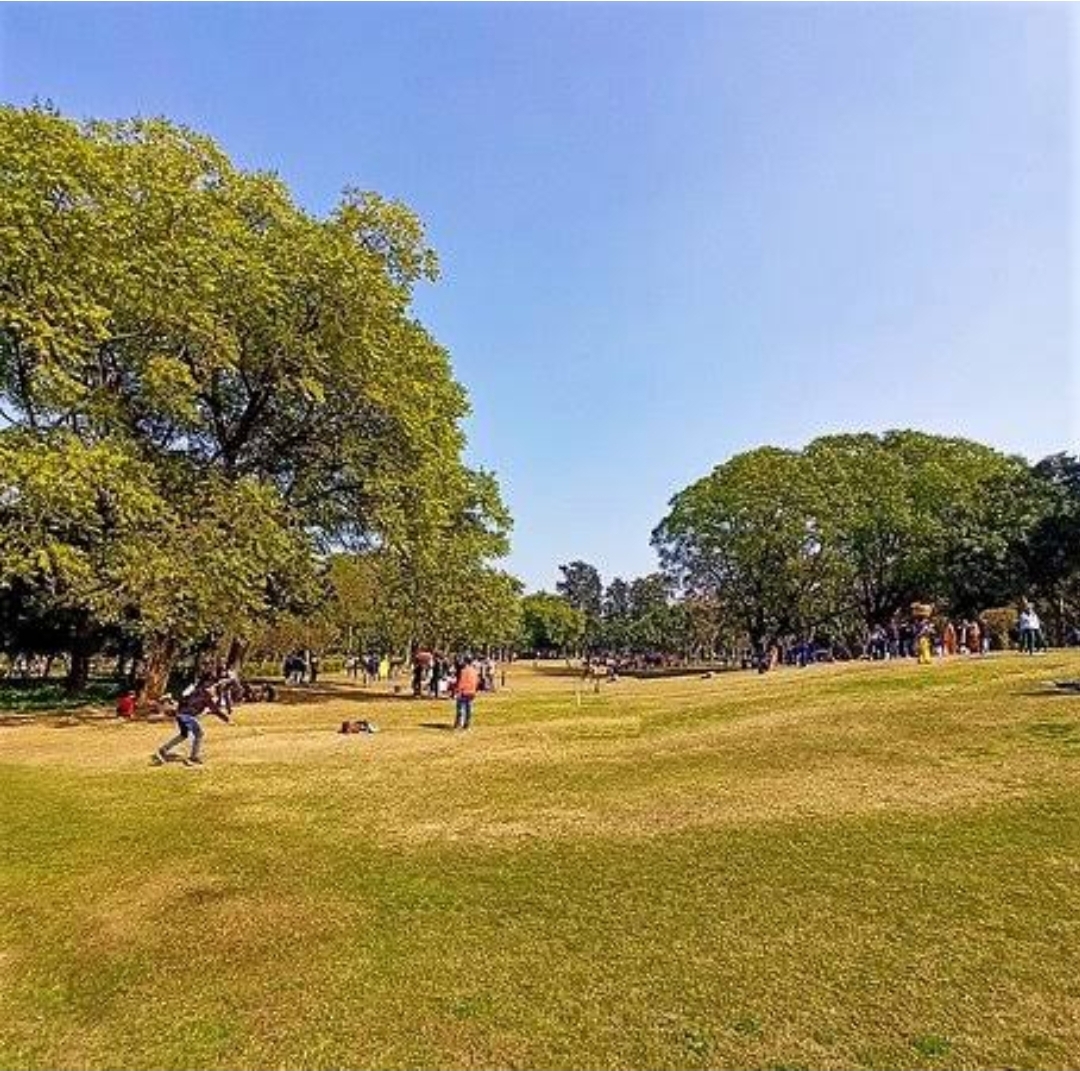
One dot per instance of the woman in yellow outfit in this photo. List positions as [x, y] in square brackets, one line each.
[924, 645]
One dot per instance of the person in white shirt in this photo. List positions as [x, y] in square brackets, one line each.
[1037, 644]
[1030, 631]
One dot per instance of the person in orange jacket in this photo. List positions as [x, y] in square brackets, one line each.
[468, 683]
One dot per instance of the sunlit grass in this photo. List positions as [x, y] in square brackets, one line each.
[856, 866]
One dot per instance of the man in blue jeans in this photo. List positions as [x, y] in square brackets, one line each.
[468, 683]
[205, 697]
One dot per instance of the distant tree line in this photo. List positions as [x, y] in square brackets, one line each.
[847, 533]
[831, 541]
[632, 617]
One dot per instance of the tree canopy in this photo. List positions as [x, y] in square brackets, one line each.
[851, 530]
[219, 387]
[551, 624]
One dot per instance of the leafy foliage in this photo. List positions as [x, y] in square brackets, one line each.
[550, 623]
[849, 531]
[207, 385]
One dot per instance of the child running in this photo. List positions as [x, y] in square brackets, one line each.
[204, 697]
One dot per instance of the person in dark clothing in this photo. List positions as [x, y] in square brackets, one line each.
[193, 706]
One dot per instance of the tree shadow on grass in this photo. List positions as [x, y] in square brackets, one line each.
[28, 697]
[1051, 690]
[292, 695]
[46, 702]
[58, 719]
[556, 669]
[549, 669]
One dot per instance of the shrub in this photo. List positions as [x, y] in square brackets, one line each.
[1000, 625]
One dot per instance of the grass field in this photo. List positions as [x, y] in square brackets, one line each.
[859, 866]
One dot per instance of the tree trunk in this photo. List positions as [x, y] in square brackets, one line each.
[160, 659]
[235, 658]
[82, 647]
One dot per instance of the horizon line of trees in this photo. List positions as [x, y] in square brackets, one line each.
[830, 541]
[223, 429]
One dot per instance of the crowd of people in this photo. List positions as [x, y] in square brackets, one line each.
[461, 677]
[917, 636]
[439, 675]
[905, 639]
[369, 667]
[301, 667]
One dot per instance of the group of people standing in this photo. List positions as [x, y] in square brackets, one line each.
[437, 675]
[1031, 637]
[921, 635]
[968, 637]
[370, 667]
[301, 667]
[921, 639]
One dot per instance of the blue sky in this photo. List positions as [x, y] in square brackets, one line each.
[668, 232]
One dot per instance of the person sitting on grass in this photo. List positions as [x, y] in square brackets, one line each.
[204, 697]
[125, 705]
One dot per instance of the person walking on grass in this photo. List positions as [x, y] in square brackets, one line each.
[468, 683]
[204, 697]
[924, 643]
[1030, 631]
[1037, 644]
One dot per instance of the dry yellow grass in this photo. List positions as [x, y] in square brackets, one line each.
[850, 865]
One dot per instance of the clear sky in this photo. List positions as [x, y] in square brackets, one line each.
[668, 232]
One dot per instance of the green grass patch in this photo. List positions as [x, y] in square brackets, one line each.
[753, 872]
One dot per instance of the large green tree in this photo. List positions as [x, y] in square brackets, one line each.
[748, 533]
[98, 539]
[583, 589]
[1051, 549]
[160, 299]
[616, 615]
[844, 534]
[918, 516]
[551, 624]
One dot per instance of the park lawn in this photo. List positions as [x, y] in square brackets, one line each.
[851, 866]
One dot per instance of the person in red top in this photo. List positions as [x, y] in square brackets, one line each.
[125, 706]
[468, 682]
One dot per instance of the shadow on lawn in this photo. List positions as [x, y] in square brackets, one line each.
[292, 695]
[645, 673]
[46, 703]
[553, 669]
[58, 719]
[1050, 690]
